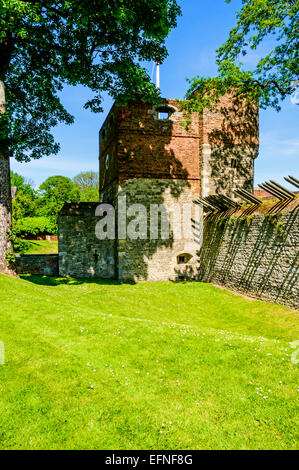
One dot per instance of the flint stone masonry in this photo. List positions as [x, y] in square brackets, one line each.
[37, 264]
[257, 256]
[157, 259]
[81, 253]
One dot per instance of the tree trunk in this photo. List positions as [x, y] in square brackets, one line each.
[5, 198]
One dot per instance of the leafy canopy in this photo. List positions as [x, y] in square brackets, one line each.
[22, 184]
[56, 191]
[88, 185]
[259, 23]
[100, 44]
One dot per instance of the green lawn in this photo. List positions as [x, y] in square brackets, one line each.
[40, 247]
[103, 365]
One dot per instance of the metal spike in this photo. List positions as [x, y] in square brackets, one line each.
[292, 181]
[286, 191]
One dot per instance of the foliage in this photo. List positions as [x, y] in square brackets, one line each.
[275, 74]
[23, 206]
[10, 258]
[35, 226]
[24, 203]
[145, 366]
[19, 244]
[36, 212]
[99, 44]
[88, 185]
[23, 185]
[280, 227]
[54, 193]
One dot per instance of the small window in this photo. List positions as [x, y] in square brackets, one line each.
[164, 113]
[184, 258]
[233, 163]
[107, 162]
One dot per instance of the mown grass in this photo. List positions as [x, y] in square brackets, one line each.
[40, 247]
[104, 365]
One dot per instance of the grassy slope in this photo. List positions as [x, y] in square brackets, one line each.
[40, 247]
[189, 353]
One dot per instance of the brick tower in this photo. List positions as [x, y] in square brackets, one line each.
[148, 156]
[157, 167]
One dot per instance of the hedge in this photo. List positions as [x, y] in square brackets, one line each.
[35, 226]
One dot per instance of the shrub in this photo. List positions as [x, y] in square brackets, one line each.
[35, 226]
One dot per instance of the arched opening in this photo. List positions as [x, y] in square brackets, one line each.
[184, 258]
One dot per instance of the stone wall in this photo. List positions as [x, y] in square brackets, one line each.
[156, 258]
[37, 264]
[81, 253]
[258, 256]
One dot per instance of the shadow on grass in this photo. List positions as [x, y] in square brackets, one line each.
[59, 281]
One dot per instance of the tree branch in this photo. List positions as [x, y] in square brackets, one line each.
[264, 85]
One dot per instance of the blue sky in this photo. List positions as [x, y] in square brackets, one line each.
[203, 27]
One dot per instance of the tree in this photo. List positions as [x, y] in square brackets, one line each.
[24, 204]
[88, 185]
[55, 192]
[22, 184]
[47, 44]
[274, 76]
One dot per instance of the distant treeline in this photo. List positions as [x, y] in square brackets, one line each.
[35, 211]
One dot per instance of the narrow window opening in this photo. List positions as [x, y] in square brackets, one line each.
[163, 115]
[233, 163]
[184, 258]
[164, 112]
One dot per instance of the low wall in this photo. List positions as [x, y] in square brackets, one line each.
[37, 264]
[81, 253]
[256, 255]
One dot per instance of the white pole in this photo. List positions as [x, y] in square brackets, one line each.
[158, 76]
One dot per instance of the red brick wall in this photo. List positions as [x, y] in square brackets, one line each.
[149, 148]
[231, 122]
[140, 146]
